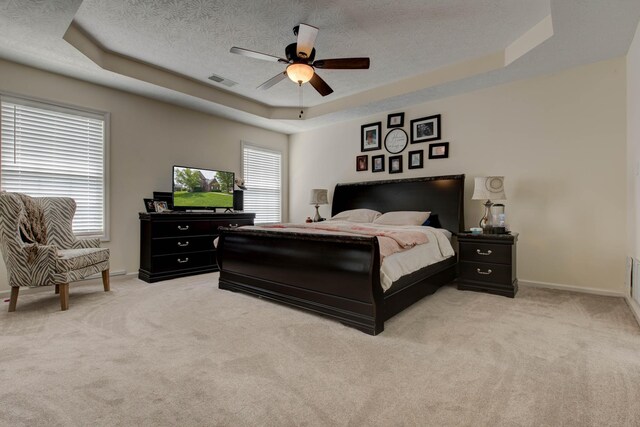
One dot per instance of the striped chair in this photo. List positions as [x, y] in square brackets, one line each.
[63, 259]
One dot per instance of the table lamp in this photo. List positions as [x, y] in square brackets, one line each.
[318, 197]
[488, 187]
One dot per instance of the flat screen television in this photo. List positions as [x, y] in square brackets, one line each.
[197, 188]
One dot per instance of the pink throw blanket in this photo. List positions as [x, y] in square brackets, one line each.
[390, 241]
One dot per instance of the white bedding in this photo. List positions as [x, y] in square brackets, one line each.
[402, 263]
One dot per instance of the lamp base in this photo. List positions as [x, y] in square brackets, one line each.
[485, 221]
[317, 218]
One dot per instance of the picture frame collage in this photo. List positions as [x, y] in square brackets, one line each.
[422, 130]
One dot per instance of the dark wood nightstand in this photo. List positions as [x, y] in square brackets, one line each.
[487, 263]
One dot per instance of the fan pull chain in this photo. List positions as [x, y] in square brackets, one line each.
[300, 92]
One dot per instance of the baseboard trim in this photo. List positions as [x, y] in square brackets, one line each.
[562, 287]
[92, 277]
[635, 308]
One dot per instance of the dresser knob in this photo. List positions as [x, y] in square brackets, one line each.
[479, 271]
[182, 261]
[182, 245]
[233, 225]
[479, 252]
[185, 228]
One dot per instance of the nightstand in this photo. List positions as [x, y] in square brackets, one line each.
[487, 263]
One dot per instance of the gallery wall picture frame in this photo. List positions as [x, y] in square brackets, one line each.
[362, 163]
[377, 163]
[395, 164]
[425, 129]
[148, 205]
[416, 159]
[370, 136]
[395, 120]
[439, 150]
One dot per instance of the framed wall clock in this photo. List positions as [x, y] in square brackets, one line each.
[396, 141]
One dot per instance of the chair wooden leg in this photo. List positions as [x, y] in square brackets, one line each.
[14, 298]
[57, 289]
[64, 296]
[105, 280]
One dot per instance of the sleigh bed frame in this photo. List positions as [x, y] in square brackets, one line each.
[339, 276]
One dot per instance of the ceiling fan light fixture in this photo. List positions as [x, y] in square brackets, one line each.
[300, 73]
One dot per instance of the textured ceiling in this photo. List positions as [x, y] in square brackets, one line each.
[403, 38]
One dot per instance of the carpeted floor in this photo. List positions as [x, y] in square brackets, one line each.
[182, 352]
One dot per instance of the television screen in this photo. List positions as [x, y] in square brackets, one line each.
[195, 188]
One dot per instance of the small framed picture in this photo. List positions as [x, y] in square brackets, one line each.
[395, 164]
[160, 206]
[362, 163]
[377, 163]
[439, 150]
[370, 137]
[416, 159]
[395, 120]
[425, 129]
[148, 205]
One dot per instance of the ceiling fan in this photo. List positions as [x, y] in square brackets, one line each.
[300, 57]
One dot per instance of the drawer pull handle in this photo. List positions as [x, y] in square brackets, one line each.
[182, 261]
[477, 269]
[233, 225]
[182, 245]
[185, 228]
[479, 252]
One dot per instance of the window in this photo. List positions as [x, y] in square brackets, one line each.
[47, 150]
[262, 176]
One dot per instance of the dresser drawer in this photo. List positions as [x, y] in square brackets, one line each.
[485, 252]
[230, 223]
[180, 228]
[163, 263]
[484, 272]
[178, 245]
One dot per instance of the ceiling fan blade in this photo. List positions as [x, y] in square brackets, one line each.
[257, 55]
[320, 85]
[273, 80]
[306, 39]
[342, 64]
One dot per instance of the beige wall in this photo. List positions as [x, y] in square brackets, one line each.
[559, 140]
[633, 144]
[147, 138]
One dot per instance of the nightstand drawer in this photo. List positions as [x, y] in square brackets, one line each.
[484, 272]
[485, 252]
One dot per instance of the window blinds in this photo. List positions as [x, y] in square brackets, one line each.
[262, 176]
[48, 150]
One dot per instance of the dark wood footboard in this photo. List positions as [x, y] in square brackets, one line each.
[336, 276]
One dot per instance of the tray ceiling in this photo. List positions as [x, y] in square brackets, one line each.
[409, 42]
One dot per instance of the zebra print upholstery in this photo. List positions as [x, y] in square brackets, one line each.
[62, 260]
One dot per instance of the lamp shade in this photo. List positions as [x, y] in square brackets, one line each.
[300, 73]
[489, 188]
[319, 197]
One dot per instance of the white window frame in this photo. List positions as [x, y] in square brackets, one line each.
[245, 144]
[81, 111]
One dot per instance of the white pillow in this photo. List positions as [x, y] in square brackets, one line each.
[403, 218]
[357, 215]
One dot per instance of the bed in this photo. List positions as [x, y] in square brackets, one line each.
[339, 276]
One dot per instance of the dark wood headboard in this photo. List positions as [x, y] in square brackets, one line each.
[442, 195]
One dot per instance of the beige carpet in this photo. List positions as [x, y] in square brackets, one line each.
[184, 353]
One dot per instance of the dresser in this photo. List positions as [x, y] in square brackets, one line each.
[177, 244]
[487, 263]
